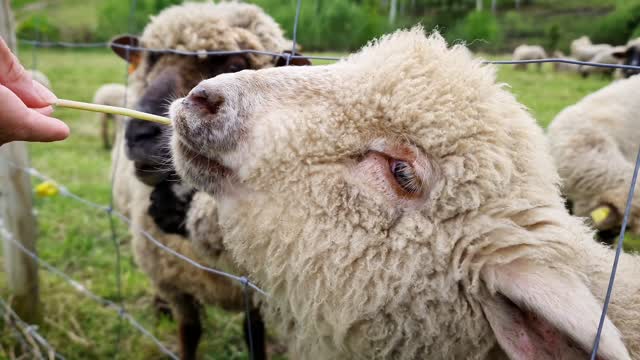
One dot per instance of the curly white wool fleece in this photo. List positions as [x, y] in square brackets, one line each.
[353, 276]
[594, 144]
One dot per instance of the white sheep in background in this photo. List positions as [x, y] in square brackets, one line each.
[628, 55]
[111, 95]
[564, 67]
[528, 52]
[401, 204]
[594, 144]
[583, 50]
[609, 56]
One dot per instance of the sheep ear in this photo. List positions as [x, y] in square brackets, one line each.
[280, 61]
[132, 56]
[541, 313]
[622, 54]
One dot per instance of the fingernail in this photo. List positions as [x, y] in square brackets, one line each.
[44, 93]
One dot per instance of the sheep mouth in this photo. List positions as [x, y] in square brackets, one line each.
[150, 174]
[201, 163]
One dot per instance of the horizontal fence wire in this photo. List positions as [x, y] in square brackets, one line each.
[119, 310]
[64, 191]
[202, 53]
[285, 55]
[30, 330]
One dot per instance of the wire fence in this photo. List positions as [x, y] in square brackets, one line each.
[291, 56]
[112, 214]
[32, 342]
[77, 286]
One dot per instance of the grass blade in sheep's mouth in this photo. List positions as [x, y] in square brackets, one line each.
[112, 110]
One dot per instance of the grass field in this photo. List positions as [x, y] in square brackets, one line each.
[77, 240]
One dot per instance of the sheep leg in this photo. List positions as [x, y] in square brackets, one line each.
[161, 306]
[105, 132]
[187, 312]
[254, 332]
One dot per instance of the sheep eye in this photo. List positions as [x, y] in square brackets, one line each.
[405, 175]
[235, 68]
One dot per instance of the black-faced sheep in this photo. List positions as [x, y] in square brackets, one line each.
[609, 56]
[401, 204]
[629, 55]
[156, 199]
[528, 52]
[594, 144]
[111, 95]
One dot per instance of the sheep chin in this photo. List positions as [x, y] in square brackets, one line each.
[199, 170]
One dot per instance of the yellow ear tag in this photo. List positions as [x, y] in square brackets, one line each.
[600, 214]
[46, 189]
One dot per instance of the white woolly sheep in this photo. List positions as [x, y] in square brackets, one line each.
[564, 67]
[159, 202]
[111, 95]
[528, 52]
[412, 214]
[594, 144]
[583, 50]
[628, 55]
[40, 77]
[609, 56]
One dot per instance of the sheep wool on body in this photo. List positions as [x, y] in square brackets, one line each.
[359, 267]
[594, 144]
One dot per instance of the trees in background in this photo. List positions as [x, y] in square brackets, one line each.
[343, 25]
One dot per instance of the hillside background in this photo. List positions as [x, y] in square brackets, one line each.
[494, 26]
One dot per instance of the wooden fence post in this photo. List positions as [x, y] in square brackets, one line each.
[16, 210]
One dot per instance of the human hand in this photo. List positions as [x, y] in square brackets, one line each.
[25, 105]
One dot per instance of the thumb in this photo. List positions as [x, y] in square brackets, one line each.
[17, 122]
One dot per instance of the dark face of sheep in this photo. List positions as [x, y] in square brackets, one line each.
[399, 204]
[166, 77]
[631, 56]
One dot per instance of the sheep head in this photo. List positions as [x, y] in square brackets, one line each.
[396, 204]
[629, 55]
[160, 77]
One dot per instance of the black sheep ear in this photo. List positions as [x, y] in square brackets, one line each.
[623, 54]
[282, 61]
[132, 56]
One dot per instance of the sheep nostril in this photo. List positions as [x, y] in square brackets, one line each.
[209, 101]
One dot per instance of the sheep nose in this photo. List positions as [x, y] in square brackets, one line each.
[207, 100]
